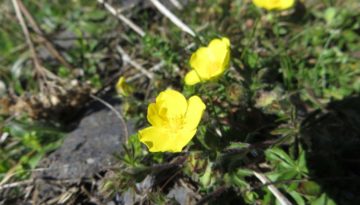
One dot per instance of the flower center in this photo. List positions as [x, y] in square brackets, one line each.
[172, 121]
[175, 123]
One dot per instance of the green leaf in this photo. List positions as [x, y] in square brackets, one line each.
[234, 180]
[283, 175]
[251, 59]
[302, 163]
[244, 172]
[237, 145]
[282, 131]
[277, 154]
[31, 140]
[16, 129]
[34, 160]
[310, 188]
[297, 197]
[330, 15]
[323, 200]
[205, 179]
[251, 197]
[133, 151]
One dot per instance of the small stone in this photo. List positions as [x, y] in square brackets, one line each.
[90, 161]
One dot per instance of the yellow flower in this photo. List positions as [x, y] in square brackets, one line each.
[274, 4]
[174, 121]
[123, 88]
[209, 62]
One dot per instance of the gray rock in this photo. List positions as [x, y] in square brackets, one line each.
[88, 149]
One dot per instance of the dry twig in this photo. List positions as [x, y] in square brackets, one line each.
[177, 4]
[117, 113]
[279, 196]
[126, 58]
[156, 67]
[127, 21]
[166, 12]
[51, 48]
[40, 71]
[26, 33]
[16, 184]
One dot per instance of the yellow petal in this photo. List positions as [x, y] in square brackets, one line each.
[174, 121]
[155, 138]
[123, 88]
[259, 3]
[182, 138]
[221, 49]
[153, 116]
[286, 4]
[211, 61]
[226, 59]
[194, 112]
[171, 104]
[202, 61]
[226, 41]
[219, 44]
[163, 140]
[274, 4]
[192, 78]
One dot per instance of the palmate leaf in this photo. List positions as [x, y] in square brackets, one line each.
[286, 168]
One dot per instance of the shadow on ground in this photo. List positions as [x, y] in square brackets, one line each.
[332, 143]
